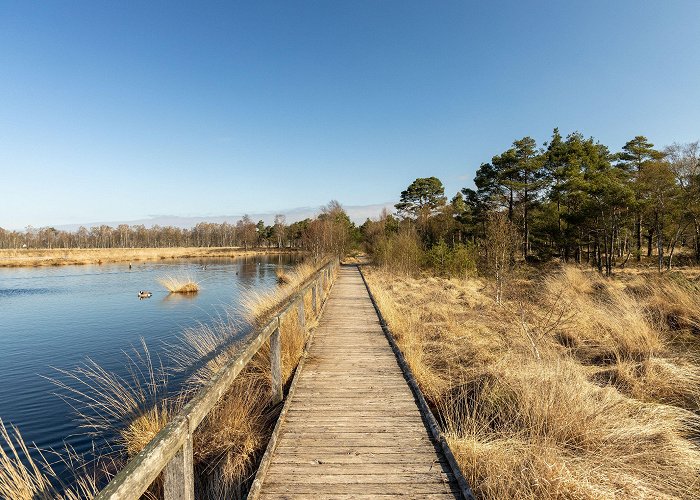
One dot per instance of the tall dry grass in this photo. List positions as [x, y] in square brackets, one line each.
[23, 477]
[179, 284]
[258, 305]
[575, 387]
[126, 411]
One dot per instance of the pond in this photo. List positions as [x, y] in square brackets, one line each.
[57, 317]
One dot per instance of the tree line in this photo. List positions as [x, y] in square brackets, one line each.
[330, 232]
[570, 198]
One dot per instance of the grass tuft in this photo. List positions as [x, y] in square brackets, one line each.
[135, 407]
[282, 277]
[179, 284]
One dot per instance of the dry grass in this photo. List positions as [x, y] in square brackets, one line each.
[179, 284]
[257, 306]
[24, 478]
[282, 277]
[73, 256]
[576, 387]
[137, 407]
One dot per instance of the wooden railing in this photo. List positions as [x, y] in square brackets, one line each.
[170, 451]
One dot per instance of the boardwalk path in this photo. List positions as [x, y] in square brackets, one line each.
[353, 428]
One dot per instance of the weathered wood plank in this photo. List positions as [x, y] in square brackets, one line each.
[178, 475]
[307, 457]
[359, 496]
[354, 469]
[408, 478]
[365, 449]
[312, 490]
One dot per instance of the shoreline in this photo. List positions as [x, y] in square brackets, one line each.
[31, 257]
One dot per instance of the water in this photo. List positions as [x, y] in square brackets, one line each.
[59, 316]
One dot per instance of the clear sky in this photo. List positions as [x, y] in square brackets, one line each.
[121, 110]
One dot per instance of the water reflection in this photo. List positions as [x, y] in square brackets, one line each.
[176, 297]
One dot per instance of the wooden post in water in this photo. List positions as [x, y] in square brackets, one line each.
[179, 474]
[276, 363]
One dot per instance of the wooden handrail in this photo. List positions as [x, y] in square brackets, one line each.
[170, 451]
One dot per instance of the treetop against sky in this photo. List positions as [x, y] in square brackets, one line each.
[120, 111]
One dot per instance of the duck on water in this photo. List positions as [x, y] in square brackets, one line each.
[144, 294]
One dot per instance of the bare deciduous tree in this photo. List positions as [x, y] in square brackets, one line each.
[500, 242]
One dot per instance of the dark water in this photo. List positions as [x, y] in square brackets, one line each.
[59, 316]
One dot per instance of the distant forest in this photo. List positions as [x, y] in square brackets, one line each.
[329, 232]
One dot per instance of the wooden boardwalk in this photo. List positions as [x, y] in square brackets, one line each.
[352, 428]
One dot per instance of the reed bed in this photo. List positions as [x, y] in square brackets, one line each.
[179, 284]
[577, 386]
[78, 256]
[258, 305]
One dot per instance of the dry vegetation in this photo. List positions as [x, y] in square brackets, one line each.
[73, 256]
[22, 478]
[227, 444]
[179, 284]
[576, 386]
[257, 305]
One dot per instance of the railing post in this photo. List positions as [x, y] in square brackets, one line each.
[179, 474]
[276, 363]
[301, 313]
[314, 302]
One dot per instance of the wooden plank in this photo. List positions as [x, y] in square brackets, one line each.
[304, 457]
[282, 489]
[408, 478]
[359, 496]
[355, 469]
[364, 449]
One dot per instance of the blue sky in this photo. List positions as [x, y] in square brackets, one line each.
[121, 110]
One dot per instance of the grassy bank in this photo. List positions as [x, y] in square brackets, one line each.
[73, 256]
[575, 387]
